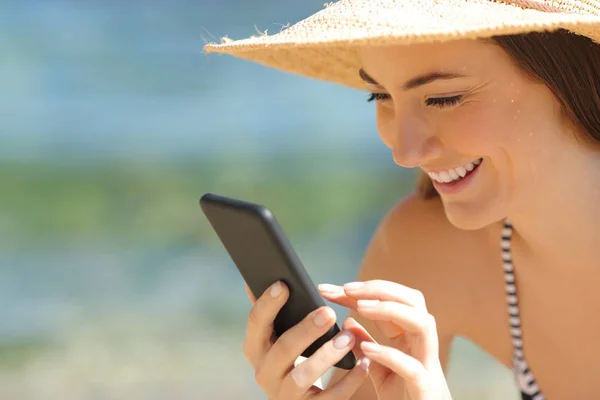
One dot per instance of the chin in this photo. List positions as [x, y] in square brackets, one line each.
[470, 217]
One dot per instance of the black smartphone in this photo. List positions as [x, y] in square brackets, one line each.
[263, 255]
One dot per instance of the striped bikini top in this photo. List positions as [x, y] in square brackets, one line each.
[523, 375]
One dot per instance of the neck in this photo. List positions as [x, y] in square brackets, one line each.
[561, 225]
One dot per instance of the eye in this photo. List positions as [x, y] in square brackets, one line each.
[378, 97]
[442, 102]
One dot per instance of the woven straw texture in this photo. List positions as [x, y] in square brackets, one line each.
[325, 45]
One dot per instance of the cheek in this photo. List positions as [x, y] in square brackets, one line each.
[497, 128]
[516, 135]
[475, 130]
[528, 134]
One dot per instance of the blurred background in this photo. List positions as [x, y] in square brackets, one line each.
[113, 122]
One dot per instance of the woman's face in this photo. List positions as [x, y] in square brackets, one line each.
[491, 138]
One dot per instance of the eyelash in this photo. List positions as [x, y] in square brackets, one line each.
[378, 97]
[433, 101]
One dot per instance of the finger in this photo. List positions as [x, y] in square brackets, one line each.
[405, 318]
[377, 372]
[409, 318]
[385, 291]
[302, 377]
[414, 373]
[361, 334]
[250, 294]
[336, 294]
[259, 328]
[418, 323]
[357, 330]
[388, 329]
[280, 359]
[349, 384]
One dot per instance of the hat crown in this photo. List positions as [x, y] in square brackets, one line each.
[326, 44]
[589, 7]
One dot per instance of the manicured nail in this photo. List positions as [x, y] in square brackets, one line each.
[328, 288]
[322, 317]
[353, 285]
[367, 303]
[276, 289]
[364, 363]
[342, 340]
[369, 347]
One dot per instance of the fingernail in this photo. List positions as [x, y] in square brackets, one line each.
[322, 317]
[328, 288]
[353, 285]
[367, 303]
[364, 363]
[275, 289]
[342, 340]
[369, 346]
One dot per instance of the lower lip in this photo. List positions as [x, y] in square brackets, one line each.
[456, 186]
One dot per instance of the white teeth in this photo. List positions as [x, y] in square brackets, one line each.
[444, 176]
[454, 174]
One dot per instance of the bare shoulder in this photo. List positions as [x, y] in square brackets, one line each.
[415, 245]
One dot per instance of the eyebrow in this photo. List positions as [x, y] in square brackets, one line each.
[414, 82]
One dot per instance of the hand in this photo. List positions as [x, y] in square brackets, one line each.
[411, 364]
[273, 360]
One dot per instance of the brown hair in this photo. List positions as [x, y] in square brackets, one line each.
[569, 65]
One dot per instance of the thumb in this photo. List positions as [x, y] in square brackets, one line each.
[378, 373]
[249, 293]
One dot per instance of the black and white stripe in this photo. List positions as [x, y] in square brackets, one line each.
[523, 375]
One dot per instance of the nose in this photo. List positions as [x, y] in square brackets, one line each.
[414, 143]
[412, 153]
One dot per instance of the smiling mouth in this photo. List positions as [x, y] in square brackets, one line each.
[455, 174]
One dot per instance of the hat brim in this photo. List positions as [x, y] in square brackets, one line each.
[326, 45]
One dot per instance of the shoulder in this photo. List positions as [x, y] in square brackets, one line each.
[415, 245]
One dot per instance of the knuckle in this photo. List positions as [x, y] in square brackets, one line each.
[430, 321]
[375, 282]
[260, 377]
[415, 374]
[323, 356]
[427, 323]
[421, 379]
[418, 298]
[390, 306]
[336, 392]
[300, 379]
[283, 346]
[254, 316]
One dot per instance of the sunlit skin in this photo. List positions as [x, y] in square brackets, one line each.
[434, 266]
[536, 171]
[512, 122]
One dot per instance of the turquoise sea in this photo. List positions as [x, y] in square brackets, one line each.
[113, 122]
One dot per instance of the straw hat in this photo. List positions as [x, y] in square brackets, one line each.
[324, 45]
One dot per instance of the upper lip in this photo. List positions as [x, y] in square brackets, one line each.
[438, 169]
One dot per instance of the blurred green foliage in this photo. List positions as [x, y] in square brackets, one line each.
[151, 203]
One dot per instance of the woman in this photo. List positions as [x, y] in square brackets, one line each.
[498, 104]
